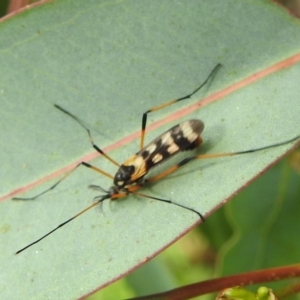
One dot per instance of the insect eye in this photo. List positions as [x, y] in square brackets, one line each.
[123, 176]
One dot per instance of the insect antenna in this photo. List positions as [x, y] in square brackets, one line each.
[98, 188]
[65, 222]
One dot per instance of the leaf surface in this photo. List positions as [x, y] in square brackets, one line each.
[107, 62]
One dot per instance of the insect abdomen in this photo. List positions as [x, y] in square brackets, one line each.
[182, 137]
[189, 134]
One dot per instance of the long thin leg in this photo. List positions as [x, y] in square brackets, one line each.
[156, 108]
[63, 178]
[89, 134]
[133, 190]
[82, 163]
[99, 201]
[170, 202]
[64, 223]
[202, 156]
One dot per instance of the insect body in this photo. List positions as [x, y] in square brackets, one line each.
[130, 176]
[184, 136]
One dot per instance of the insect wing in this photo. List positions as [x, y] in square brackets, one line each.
[182, 137]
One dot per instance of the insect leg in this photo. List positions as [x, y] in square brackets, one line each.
[63, 178]
[64, 223]
[214, 155]
[156, 108]
[170, 202]
[133, 190]
[89, 134]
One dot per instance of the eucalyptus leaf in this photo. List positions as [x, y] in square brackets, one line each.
[107, 62]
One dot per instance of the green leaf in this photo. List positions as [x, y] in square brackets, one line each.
[264, 218]
[108, 62]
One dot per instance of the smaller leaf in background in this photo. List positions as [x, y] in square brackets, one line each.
[265, 221]
[294, 159]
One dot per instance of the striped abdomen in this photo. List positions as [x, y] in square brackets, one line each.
[184, 136]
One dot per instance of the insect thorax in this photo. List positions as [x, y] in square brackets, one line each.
[130, 172]
[123, 176]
